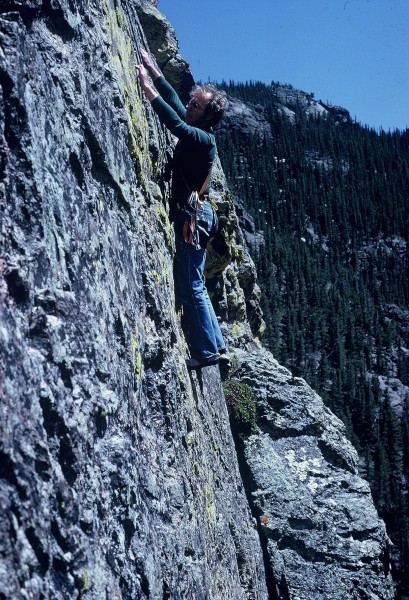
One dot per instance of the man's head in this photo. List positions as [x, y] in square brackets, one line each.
[206, 107]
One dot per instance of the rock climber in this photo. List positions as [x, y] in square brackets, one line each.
[191, 165]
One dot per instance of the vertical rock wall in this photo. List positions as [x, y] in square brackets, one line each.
[118, 472]
[119, 477]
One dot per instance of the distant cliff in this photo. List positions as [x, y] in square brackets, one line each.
[120, 475]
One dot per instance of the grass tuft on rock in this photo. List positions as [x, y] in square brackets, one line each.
[241, 405]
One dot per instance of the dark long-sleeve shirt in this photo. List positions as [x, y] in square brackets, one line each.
[196, 149]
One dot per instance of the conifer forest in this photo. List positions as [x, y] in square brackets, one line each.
[331, 200]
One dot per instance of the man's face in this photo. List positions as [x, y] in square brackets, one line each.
[196, 108]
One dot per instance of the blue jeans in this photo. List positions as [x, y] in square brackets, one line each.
[199, 322]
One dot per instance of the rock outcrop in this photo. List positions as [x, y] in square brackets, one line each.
[246, 118]
[318, 525]
[119, 473]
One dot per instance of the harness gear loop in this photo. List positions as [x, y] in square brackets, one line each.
[195, 203]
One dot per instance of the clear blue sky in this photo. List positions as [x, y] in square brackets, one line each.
[352, 53]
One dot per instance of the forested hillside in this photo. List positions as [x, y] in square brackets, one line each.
[331, 199]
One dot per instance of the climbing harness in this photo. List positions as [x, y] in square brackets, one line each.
[187, 219]
[191, 228]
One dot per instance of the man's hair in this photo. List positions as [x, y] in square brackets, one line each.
[218, 103]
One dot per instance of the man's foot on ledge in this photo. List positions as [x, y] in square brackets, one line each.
[224, 360]
[197, 363]
[224, 364]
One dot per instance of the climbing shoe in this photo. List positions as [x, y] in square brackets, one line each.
[224, 360]
[224, 364]
[198, 363]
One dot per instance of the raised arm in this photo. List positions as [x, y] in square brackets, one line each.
[152, 69]
[146, 85]
[164, 88]
[167, 104]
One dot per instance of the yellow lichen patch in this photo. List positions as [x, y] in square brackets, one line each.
[208, 496]
[237, 330]
[163, 221]
[123, 60]
[85, 581]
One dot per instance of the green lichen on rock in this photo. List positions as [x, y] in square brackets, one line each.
[163, 222]
[84, 581]
[123, 60]
[234, 293]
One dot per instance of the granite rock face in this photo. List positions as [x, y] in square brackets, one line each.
[119, 475]
[318, 525]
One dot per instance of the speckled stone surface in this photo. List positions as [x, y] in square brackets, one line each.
[119, 475]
